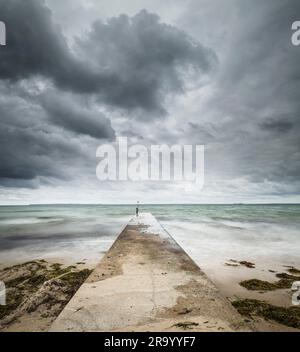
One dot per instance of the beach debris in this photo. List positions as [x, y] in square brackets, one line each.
[231, 264]
[288, 316]
[245, 263]
[186, 325]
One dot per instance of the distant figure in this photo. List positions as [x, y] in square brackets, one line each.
[137, 209]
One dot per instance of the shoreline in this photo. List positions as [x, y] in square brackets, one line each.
[228, 286]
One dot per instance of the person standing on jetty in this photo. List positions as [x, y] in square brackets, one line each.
[137, 209]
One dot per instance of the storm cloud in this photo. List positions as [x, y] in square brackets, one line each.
[226, 75]
[65, 111]
[146, 59]
[131, 63]
[57, 93]
[32, 149]
[36, 46]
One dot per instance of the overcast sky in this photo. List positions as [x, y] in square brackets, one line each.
[79, 73]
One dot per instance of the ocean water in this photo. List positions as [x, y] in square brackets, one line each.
[211, 234]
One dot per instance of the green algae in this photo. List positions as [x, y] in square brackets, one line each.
[75, 279]
[13, 300]
[294, 271]
[285, 282]
[30, 277]
[258, 285]
[289, 316]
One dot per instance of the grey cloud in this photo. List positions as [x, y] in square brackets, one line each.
[148, 58]
[131, 63]
[64, 111]
[27, 154]
[36, 46]
[32, 149]
[279, 126]
[203, 134]
[248, 116]
[255, 105]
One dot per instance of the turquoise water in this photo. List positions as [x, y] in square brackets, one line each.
[209, 233]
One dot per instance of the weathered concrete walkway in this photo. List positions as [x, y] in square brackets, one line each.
[146, 282]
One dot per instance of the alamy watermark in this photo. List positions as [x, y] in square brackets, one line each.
[2, 33]
[121, 161]
[2, 294]
[296, 35]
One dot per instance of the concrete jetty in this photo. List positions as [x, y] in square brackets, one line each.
[146, 282]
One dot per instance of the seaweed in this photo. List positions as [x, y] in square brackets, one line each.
[248, 264]
[75, 279]
[17, 281]
[258, 285]
[13, 300]
[285, 282]
[30, 280]
[56, 266]
[36, 281]
[294, 271]
[186, 325]
[57, 270]
[289, 316]
[243, 263]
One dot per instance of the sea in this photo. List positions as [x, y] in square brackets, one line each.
[211, 234]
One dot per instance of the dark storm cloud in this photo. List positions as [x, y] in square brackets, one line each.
[28, 153]
[248, 115]
[132, 63]
[30, 147]
[128, 63]
[45, 135]
[150, 59]
[36, 46]
[64, 111]
[280, 126]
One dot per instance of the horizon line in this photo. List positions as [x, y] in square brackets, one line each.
[141, 204]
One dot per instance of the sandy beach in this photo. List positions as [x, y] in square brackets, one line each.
[42, 318]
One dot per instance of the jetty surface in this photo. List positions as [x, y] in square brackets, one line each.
[146, 282]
